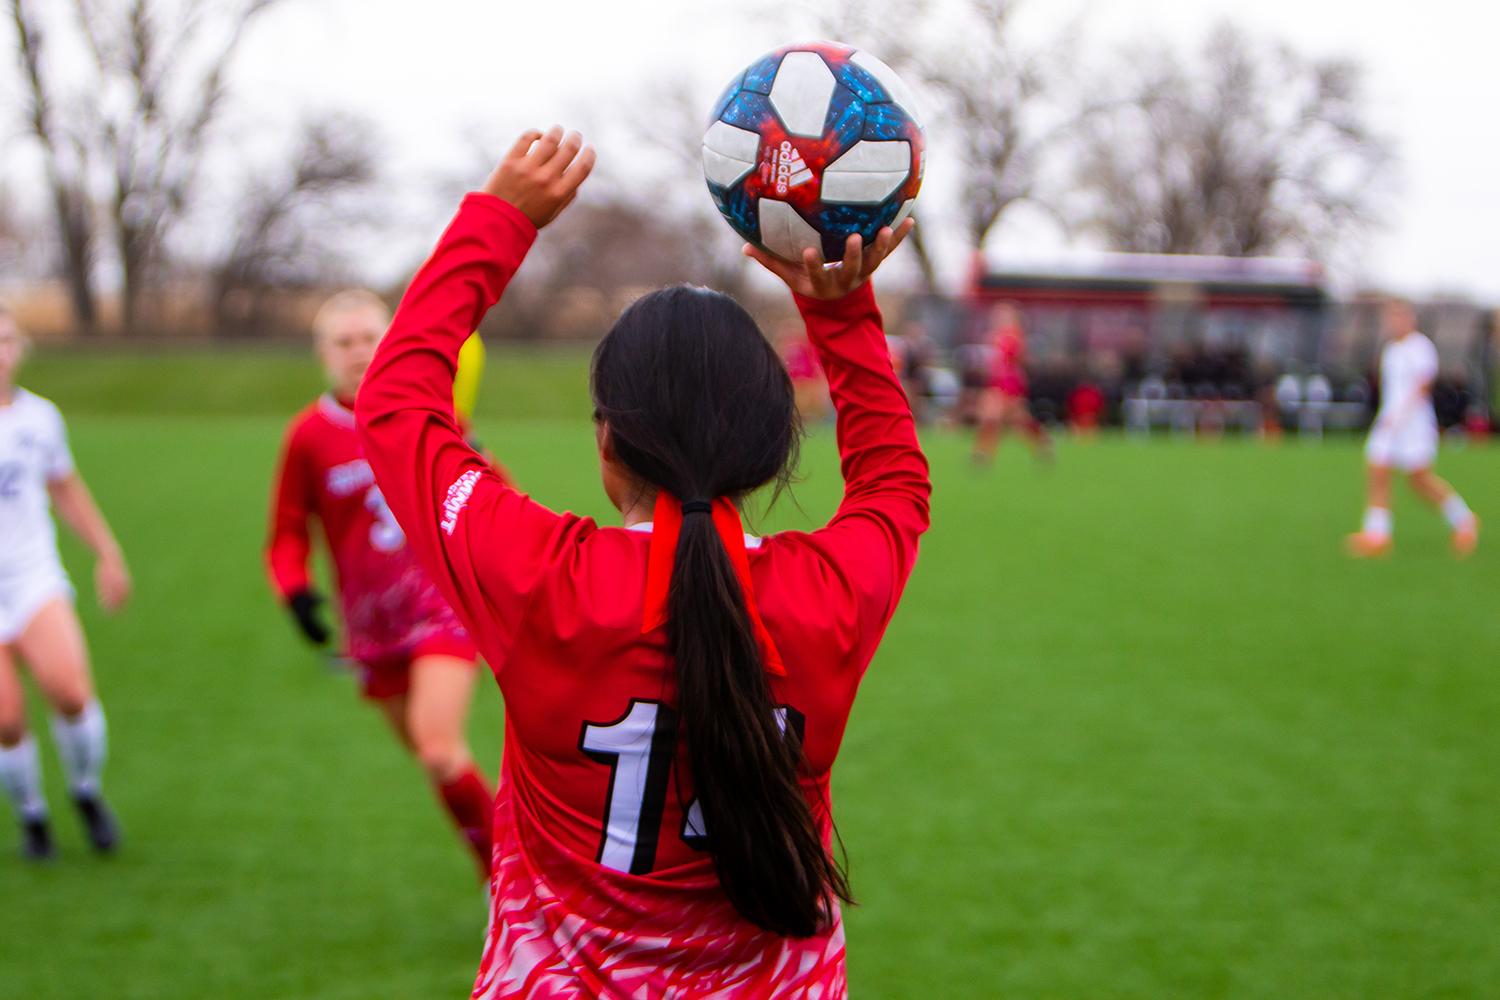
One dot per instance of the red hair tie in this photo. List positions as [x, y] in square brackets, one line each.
[666, 527]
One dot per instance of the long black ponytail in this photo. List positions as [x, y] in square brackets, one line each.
[698, 404]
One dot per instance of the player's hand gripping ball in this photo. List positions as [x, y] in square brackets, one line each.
[811, 144]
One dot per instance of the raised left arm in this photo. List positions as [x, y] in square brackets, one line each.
[75, 504]
[433, 481]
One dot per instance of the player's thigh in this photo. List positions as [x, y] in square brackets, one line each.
[394, 708]
[991, 406]
[441, 688]
[55, 652]
[12, 700]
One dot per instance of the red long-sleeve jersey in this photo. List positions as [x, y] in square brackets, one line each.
[600, 884]
[390, 606]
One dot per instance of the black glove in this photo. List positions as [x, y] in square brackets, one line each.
[304, 605]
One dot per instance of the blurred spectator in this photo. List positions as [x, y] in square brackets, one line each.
[974, 373]
[1450, 401]
[809, 384]
[1477, 422]
[1086, 409]
[916, 368]
[1270, 413]
[1288, 397]
[1319, 390]
[1319, 393]
[895, 349]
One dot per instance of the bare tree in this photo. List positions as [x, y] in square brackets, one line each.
[670, 118]
[997, 103]
[596, 258]
[156, 86]
[1250, 149]
[153, 140]
[993, 97]
[24, 244]
[65, 153]
[888, 29]
[292, 216]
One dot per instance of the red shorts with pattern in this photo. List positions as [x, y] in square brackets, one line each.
[389, 674]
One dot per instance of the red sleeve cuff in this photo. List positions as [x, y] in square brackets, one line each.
[497, 209]
[861, 300]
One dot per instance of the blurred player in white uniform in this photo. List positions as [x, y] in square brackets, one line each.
[38, 626]
[1405, 436]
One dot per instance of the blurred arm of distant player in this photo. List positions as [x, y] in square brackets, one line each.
[289, 546]
[75, 504]
[1409, 406]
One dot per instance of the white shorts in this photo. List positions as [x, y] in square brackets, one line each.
[26, 590]
[1409, 448]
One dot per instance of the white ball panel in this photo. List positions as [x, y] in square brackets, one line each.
[895, 86]
[800, 94]
[901, 216]
[874, 157]
[723, 170]
[735, 143]
[862, 187]
[729, 153]
[785, 233]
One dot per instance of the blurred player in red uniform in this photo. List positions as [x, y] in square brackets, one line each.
[675, 691]
[415, 660]
[1003, 405]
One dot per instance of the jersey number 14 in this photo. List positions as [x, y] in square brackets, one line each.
[638, 747]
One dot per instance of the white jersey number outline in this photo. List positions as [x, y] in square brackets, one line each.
[385, 534]
[639, 747]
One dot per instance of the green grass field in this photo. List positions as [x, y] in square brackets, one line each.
[1139, 730]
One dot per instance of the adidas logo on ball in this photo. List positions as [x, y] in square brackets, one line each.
[784, 168]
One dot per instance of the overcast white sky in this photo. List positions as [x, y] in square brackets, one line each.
[430, 69]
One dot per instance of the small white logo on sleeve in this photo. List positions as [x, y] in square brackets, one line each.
[458, 496]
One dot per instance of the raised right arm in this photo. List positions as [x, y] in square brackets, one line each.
[886, 487]
[287, 542]
[871, 543]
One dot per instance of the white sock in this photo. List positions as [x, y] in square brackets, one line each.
[21, 776]
[82, 744]
[1377, 522]
[1457, 512]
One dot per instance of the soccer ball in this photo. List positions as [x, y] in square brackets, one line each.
[812, 143]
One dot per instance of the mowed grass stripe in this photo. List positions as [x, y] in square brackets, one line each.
[520, 381]
[1139, 730]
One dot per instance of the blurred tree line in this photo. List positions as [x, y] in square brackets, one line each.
[1241, 146]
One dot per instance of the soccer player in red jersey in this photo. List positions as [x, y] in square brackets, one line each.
[415, 659]
[1003, 405]
[675, 691]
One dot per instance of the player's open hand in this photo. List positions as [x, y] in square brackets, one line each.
[111, 583]
[811, 279]
[541, 173]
